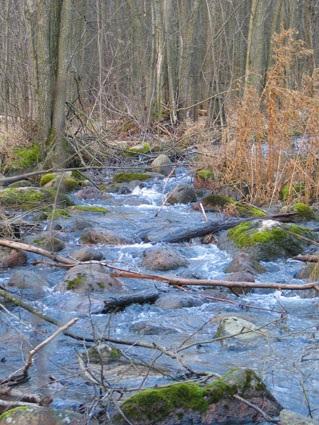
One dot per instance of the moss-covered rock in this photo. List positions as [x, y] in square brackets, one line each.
[47, 178]
[189, 402]
[25, 158]
[270, 239]
[141, 148]
[304, 211]
[89, 209]
[65, 181]
[124, 177]
[28, 197]
[36, 415]
[49, 242]
[205, 174]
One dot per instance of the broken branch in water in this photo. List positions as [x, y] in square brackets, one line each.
[172, 280]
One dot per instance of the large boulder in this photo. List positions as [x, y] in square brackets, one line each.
[26, 415]
[181, 194]
[12, 257]
[162, 164]
[268, 239]
[163, 258]
[102, 236]
[88, 278]
[65, 182]
[191, 403]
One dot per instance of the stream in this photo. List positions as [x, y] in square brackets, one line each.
[287, 359]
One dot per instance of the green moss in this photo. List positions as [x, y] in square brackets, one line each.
[54, 214]
[205, 174]
[245, 210]
[142, 148]
[75, 283]
[246, 234]
[276, 241]
[46, 178]
[304, 210]
[26, 157]
[115, 354]
[90, 209]
[128, 177]
[217, 201]
[289, 191]
[156, 404]
[70, 183]
[9, 413]
[27, 198]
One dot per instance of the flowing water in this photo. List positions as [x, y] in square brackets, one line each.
[287, 357]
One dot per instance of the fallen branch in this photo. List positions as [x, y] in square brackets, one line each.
[173, 280]
[308, 258]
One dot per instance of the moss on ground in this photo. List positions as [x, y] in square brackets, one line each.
[90, 209]
[27, 198]
[288, 191]
[205, 174]
[222, 202]
[25, 158]
[142, 148]
[54, 214]
[304, 211]
[128, 177]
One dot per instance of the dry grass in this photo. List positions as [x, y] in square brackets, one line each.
[272, 138]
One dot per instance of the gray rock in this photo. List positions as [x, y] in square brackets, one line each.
[234, 325]
[81, 224]
[240, 277]
[90, 277]
[146, 328]
[162, 164]
[163, 258]
[12, 257]
[173, 301]
[87, 254]
[28, 279]
[102, 236]
[290, 418]
[243, 262]
[182, 194]
[49, 241]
